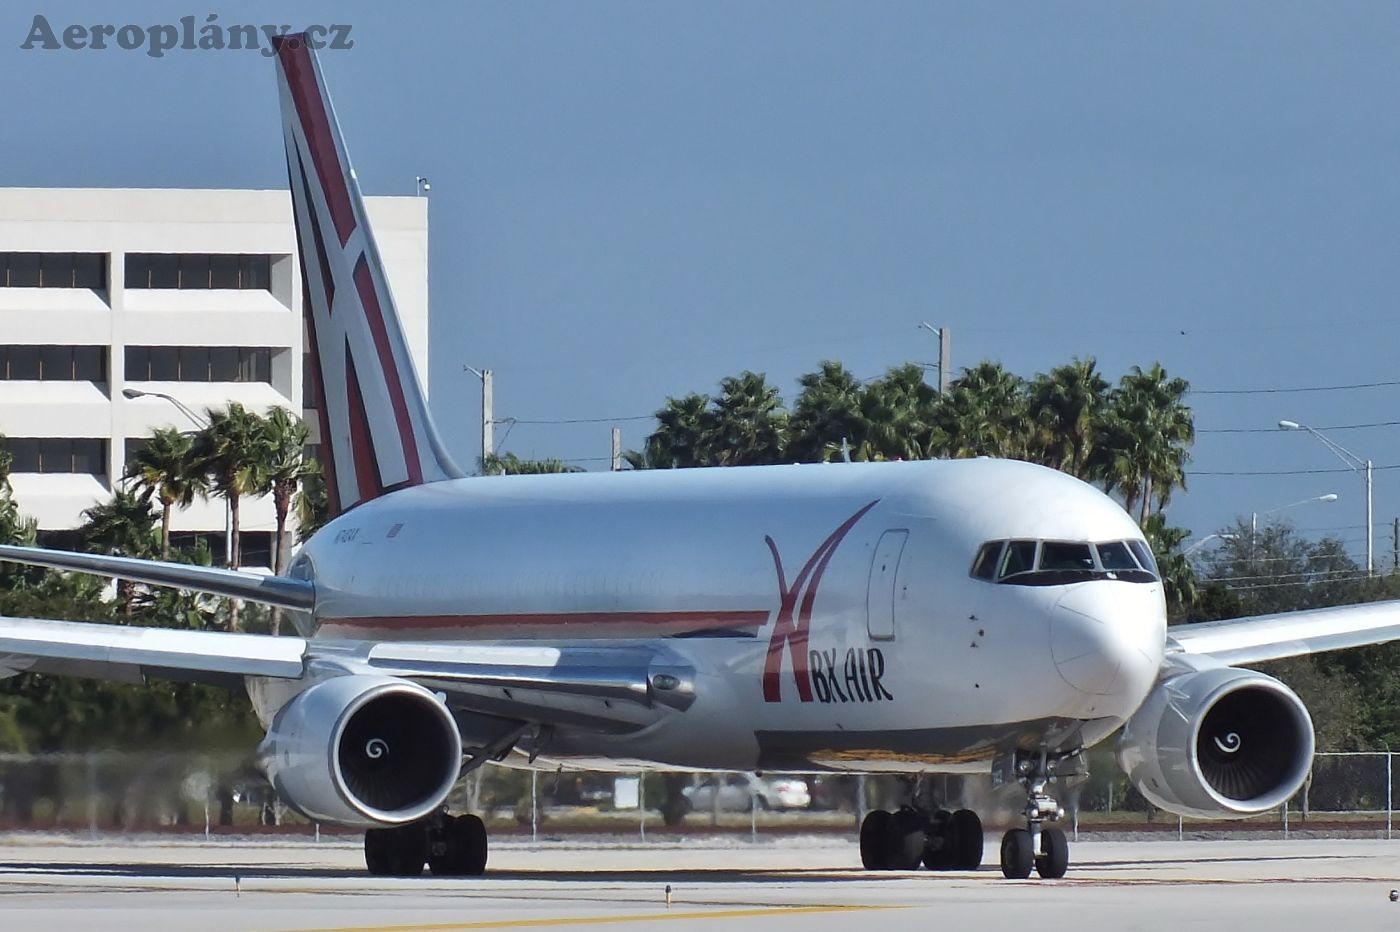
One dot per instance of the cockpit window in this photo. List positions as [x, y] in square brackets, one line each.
[985, 566]
[1019, 558]
[1115, 555]
[1055, 555]
[1144, 555]
[1059, 563]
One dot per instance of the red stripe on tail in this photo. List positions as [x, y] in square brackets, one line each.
[316, 125]
[367, 478]
[364, 284]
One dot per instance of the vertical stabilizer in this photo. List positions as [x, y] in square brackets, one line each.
[376, 433]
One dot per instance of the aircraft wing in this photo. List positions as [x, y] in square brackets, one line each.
[127, 654]
[1289, 634]
[602, 687]
[268, 590]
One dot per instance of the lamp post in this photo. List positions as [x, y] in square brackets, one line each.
[1254, 516]
[487, 438]
[1355, 464]
[944, 340]
[132, 394]
[1205, 540]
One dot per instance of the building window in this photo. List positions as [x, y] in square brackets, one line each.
[132, 448]
[198, 364]
[53, 363]
[53, 270]
[86, 455]
[199, 271]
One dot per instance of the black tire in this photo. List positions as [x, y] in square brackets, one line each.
[461, 848]
[905, 840]
[874, 829]
[1054, 854]
[379, 858]
[938, 846]
[965, 852]
[1017, 854]
[409, 847]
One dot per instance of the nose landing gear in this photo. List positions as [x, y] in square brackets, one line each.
[1044, 850]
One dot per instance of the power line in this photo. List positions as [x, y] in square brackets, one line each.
[1275, 430]
[1286, 391]
[584, 420]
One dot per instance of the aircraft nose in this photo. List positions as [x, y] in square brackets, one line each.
[1105, 639]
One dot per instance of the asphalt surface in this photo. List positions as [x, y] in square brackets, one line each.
[55, 883]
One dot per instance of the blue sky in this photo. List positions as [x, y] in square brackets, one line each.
[633, 199]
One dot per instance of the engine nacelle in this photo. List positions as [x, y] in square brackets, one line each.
[363, 750]
[1218, 743]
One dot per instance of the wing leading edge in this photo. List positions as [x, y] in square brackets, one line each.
[1289, 634]
[280, 591]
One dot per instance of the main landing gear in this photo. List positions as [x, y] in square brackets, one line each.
[940, 840]
[1044, 850]
[450, 846]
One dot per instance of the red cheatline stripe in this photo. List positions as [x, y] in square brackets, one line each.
[374, 316]
[295, 57]
[367, 479]
[689, 621]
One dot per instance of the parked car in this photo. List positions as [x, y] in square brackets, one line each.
[739, 792]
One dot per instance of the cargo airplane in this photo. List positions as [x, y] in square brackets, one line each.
[964, 616]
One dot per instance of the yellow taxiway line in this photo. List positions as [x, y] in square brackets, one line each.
[776, 911]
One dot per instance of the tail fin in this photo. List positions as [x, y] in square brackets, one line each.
[376, 433]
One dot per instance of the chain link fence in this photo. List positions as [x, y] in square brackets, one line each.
[182, 792]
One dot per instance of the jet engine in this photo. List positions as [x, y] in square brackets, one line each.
[1218, 743]
[363, 750]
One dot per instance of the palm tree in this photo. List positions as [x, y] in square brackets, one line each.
[1145, 439]
[229, 451]
[311, 501]
[985, 413]
[827, 412]
[1066, 407]
[164, 468]
[282, 465]
[899, 410]
[125, 525]
[512, 465]
[751, 424]
[683, 437]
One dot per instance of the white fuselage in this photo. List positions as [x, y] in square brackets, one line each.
[829, 610]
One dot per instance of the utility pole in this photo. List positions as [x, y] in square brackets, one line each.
[488, 446]
[945, 352]
[617, 449]
[1395, 545]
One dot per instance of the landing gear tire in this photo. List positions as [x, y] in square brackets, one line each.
[1053, 860]
[965, 841]
[874, 830]
[938, 849]
[905, 840]
[1017, 854]
[458, 847]
[396, 852]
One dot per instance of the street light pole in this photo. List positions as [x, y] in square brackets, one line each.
[1254, 516]
[1355, 464]
[488, 445]
[945, 339]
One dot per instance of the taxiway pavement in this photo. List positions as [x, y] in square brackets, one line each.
[49, 884]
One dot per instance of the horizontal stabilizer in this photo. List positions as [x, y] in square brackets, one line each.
[268, 590]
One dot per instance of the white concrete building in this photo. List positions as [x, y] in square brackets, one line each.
[193, 294]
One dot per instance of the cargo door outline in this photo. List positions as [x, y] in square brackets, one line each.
[882, 587]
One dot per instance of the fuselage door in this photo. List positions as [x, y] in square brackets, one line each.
[884, 573]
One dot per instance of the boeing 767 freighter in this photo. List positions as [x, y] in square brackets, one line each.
[965, 616]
